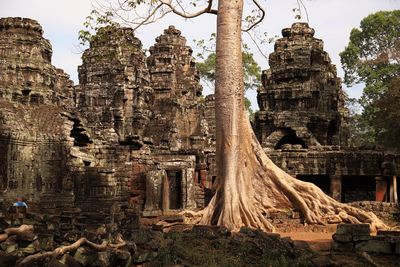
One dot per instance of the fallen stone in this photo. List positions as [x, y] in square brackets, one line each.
[357, 238]
[12, 240]
[388, 233]
[322, 261]
[353, 229]
[374, 246]
[47, 242]
[103, 259]
[32, 248]
[211, 231]
[342, 247]
[342, 238]
[11, 248]
[85, 256]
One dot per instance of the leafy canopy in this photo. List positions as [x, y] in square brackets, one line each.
[372, 57]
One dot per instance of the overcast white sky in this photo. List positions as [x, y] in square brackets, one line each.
[332, 20]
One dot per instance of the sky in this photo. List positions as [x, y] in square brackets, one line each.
[332, 20]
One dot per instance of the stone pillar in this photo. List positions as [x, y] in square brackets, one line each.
[190, 201]
[336, 187]
[165, 193]
[381, 189]
[393, 189]
[154, 186]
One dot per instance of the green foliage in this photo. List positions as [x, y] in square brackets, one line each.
[387, 116]
[372, 57]
[252, 71]
[93, 23]
[369, 55]
[206, 68]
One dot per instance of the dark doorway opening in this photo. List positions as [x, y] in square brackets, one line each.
[174, 189]
[322, 181]
[358, 188]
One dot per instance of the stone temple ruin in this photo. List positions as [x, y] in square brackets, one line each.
[135, 138]
[303, 123]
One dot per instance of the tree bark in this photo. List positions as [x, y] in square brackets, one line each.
[249, 184]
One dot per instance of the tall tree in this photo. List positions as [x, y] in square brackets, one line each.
[387, 118]
[248, 184]
[372, 57]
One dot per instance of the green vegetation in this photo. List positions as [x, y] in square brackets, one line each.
[206, 68]
[372, 57]
[218, 248]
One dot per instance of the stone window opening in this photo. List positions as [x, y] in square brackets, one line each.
[36, 99]
[290, 139]
[26, 91]
[86, 163]
[332, 131]
[79, 134]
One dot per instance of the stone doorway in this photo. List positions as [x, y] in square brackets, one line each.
[172, 190]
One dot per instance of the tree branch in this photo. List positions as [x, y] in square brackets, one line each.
[257, 45]
[260, 19]
[149, 16]
[183, 14]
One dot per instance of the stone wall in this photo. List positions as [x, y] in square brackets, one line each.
[34, 130]
[113, 94]
[357, 237]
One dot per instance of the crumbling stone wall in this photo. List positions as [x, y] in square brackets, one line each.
[178, 122]
[34, 131]
[113, 93]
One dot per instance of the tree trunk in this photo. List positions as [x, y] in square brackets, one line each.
[249, 184]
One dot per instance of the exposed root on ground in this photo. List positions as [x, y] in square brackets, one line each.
[24, 231]
[258, 187]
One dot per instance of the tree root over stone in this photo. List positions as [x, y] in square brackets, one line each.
[258, 187]
[68, 248]
[26, 232]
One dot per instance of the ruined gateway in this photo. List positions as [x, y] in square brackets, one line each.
[135, 138]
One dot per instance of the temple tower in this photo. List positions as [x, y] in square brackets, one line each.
[114, 93]
[177, 122]
[301, 101]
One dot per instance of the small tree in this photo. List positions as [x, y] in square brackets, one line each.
[248, 184]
